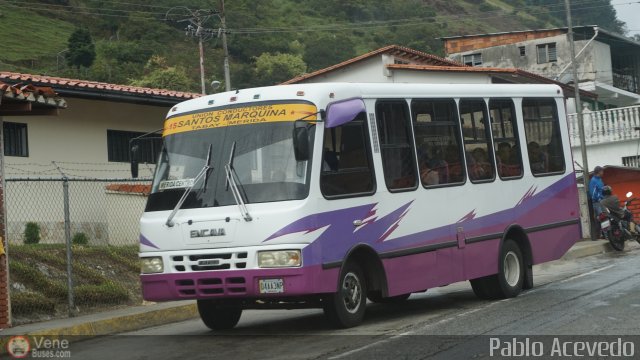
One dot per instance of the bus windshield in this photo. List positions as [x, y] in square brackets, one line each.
[263, 161]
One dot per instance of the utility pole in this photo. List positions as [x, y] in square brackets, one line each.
[197, 20]
[576, 89]
[227, 75]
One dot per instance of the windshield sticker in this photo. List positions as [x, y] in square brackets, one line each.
[176, 184]
[239, 116]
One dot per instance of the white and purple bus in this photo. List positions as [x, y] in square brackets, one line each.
[324, 195]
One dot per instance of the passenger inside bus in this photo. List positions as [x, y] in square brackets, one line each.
[537, 157]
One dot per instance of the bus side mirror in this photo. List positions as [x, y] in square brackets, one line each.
[301, 141]
[134, 159]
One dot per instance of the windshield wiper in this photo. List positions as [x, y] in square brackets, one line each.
[204, 173]
[231, 182]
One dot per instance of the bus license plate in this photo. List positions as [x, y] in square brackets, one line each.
[605, 224]
[271, 286]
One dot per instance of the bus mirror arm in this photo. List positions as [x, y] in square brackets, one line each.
[301, 140]
[134, 158]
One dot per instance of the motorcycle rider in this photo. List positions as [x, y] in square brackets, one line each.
[612, 203]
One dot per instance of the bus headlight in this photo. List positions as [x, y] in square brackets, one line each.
[279, 258]
[151, 265]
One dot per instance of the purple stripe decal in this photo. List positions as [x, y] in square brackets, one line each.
[340, 235]
[147, 242]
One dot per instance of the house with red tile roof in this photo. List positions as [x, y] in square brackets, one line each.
[79, 129]
[90, 137]
[397, 64]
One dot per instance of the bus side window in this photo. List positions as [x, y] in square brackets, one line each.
[477, 140]
[438, 143]
[542, 130]
[398, 155]
[506, 143]
[346, 165]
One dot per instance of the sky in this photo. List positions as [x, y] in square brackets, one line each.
[629, 12]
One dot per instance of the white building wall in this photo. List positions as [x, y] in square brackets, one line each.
[76, 140]
[79, 136]
[602, 62]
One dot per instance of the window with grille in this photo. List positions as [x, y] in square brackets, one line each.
[472, 59]
[15, 139]
[631, 161]
[523, 51]
[118, 147]
[547, 53]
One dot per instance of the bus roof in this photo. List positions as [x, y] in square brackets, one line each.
[322, 94]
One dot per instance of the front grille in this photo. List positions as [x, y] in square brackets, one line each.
[211, 286]
[208, 262]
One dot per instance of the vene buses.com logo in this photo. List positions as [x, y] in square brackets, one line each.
[18, 347]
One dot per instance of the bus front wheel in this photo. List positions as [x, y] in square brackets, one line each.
[508, 282]
[346, 307]
[217, 317]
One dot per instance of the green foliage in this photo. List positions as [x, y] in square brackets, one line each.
[27, 274]
[82, 51]
[31, 233]
[160, 75]
[275, 68]
[27, 303]
[322, 33]
[80, 239]
[107, 292]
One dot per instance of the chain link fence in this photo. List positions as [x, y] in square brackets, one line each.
[73, 245]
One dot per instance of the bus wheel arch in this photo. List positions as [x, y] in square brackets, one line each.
[514, 268]
[517, 234]
[361, 270]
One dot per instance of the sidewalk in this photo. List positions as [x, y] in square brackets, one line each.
[144, 316]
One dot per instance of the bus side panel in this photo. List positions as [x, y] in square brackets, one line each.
[552, 244]
[477, 263]
[410, 273]
[419, 272]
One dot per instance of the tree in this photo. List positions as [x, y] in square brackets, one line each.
[82, 50]
[275, 68]
[158, 74]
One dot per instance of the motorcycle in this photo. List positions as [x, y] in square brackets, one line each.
[617, 230]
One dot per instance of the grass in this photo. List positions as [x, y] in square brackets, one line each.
[46, 36]
[103, 277]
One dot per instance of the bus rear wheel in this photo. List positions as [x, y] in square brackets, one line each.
[509, 280]
[217, 317]
[345, 308]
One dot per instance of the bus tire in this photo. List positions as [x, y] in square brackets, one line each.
[345, 308]
[217, 317]
[376, 297]
[509, 280]
[479, 287]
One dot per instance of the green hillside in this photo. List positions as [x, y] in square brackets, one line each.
[269, 40]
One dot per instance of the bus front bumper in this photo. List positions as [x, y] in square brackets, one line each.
[251, 283]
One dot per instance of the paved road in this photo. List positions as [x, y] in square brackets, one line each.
[599, 295]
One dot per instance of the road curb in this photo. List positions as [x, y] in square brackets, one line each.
[125, 323]
[590, 249]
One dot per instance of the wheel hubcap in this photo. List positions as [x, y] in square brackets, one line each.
[351, 292]
[511, 269]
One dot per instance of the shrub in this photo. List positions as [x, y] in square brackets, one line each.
[31, 233]
[80, 239]
[27, 303]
